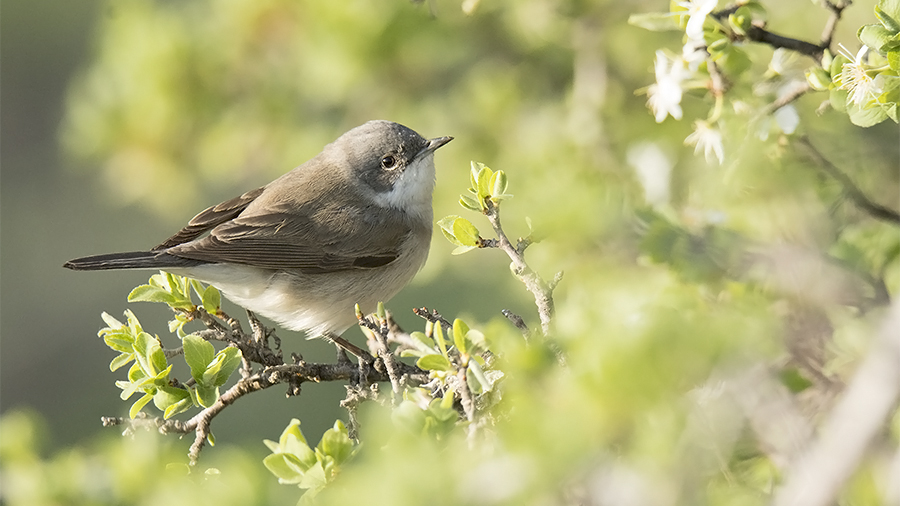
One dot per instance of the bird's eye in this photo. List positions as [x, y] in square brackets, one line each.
[388, 162]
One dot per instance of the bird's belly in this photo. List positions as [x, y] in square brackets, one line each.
[314, 303]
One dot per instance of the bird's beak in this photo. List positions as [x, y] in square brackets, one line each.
[432, 145]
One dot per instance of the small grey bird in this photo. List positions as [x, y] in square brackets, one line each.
[352, 225]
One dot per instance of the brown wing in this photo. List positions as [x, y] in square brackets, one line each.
[327, 239]
[209, 218]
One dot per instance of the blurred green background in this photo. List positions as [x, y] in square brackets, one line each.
[120, 120]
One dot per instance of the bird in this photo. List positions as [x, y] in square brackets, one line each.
[350, 226]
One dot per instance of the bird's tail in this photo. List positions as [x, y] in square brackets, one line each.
[130, 260]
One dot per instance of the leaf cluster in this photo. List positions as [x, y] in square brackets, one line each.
[295, 463]
[487, 191]
[151, 372]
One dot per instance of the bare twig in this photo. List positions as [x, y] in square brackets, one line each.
[863, 202]
[380, 329]
[836, 9]
[518, 322]
[798, 91]
[542, 292]
[432, 316]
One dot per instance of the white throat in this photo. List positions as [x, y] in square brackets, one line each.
[413, 189]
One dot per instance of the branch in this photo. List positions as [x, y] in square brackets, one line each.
[758, 33]
[836, 10]
[852, 191]
[293, 374]
[255, 349]
[543, 292]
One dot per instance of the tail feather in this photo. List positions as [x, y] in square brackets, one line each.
[130, 260]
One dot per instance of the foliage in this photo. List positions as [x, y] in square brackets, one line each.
[295, 463]
[150, 373]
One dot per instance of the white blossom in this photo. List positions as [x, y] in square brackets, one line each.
[664, 97]
[694, 53]
[856, 80]
[697, 10]
[708, 139]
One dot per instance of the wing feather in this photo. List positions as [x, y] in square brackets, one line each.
[210, 218]
[327, 239]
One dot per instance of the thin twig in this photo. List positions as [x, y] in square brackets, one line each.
[798, 91]
[432, 316]
[863, 202]
[518, 322]
[836, 9]
[543, 294]
[380, 329]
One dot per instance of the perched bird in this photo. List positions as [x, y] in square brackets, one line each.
[351, 225]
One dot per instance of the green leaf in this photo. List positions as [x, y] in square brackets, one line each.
[314, 479]
[888, 12]
[866, 116]
[120, 341]
[459, 250]
[484, 182]
[446, 224]
[229, 360]
[294, 443]
[893, 58]
[121, 361]
[129, 388]
[206, 395]
[211, 299]
[434, 362]
[476, 168]
[133, 324]
[818, 78]
[794, 380]
[113, 323]
[336, 443]
[499, 183]
[478, 374]
[439, 338]
[285, 467]
[139, 405]
[166, 396]
[654, 21]
[469, 203]
[422, 342]
[148, 293]
[465, 232]
[459, 335]
[149, 354]
[178, 407]
[874, 36]
[198, 354]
